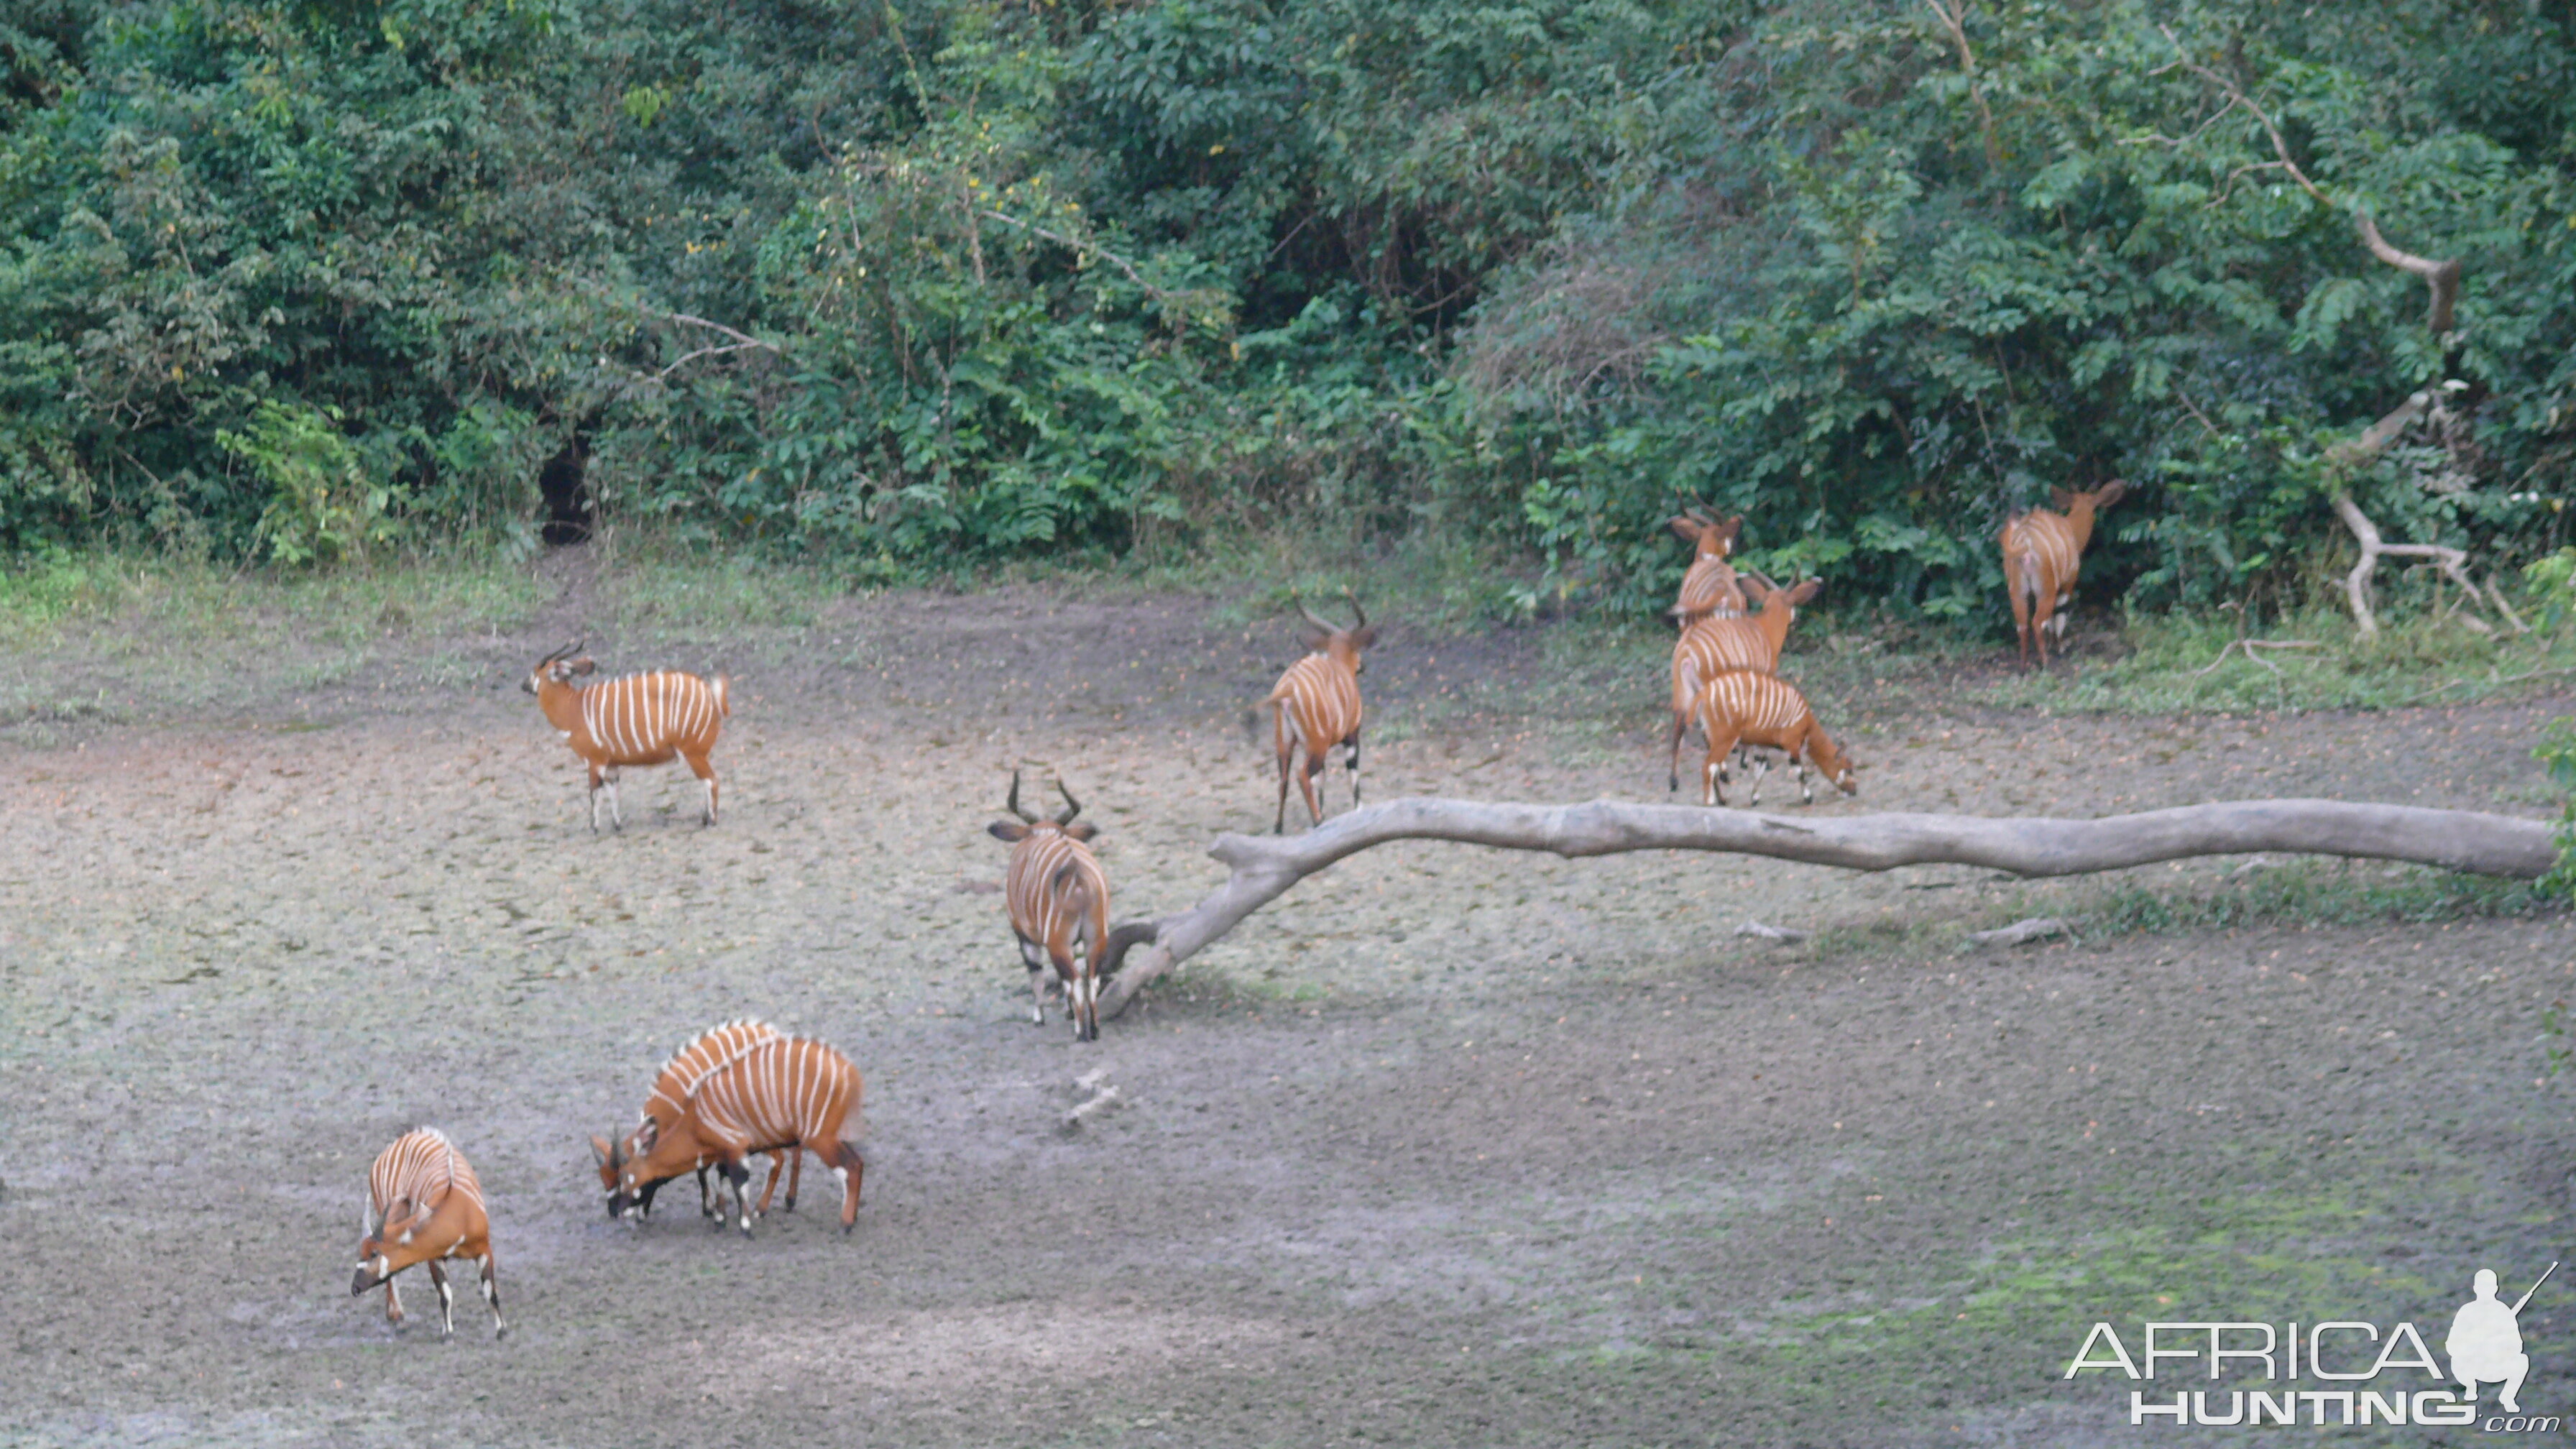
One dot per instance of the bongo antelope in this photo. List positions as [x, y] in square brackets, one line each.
[1750, 707]
[2041, 553]
[665, 1102]
[1058, 899]
[780, 1089]
[424, 1206]
[1710, 587]
[1718, 643]
[634, 719]
[1316, 705]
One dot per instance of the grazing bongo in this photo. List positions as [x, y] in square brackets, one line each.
[635, 719]
[1719, 643]
[1058, 898]
[1750, 707]
[1316, 705]
[424, 1206]
[707, 1049]
[1709, 589]
[2041, 553]
[780, 1089]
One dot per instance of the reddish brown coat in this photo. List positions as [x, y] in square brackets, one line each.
[1058, 899]
[635, 719]
[2042, 551]
[424, 1205]
[1316, 706]
[1713, 644]
[664, 1102]
[1710, 586]
[782, 1089]
[1749, 707]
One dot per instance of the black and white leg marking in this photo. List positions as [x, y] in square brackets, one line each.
[1033, 956]
[492, 1296]
[446, 1299]
[740, 1176]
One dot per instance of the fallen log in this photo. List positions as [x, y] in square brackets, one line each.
[1262, 868]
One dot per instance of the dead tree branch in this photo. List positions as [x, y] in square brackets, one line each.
[742, 342]
[2345, 458]
[2453, 562]
[2022, 932]
[1262, 868]
[2442, 280]
[2441, 277]
[1954, 18]
[2249, 646]
[1200, 302]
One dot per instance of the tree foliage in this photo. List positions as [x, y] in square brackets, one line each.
[915, 285]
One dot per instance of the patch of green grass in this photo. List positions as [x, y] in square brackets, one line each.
[40, 590]
[2304, 892]
[122, 634]
[2319, 893]
[1995, 1325]
[658, 591]
[1441, 585]
[186, 599]
[2173, 664]
[2297, 892]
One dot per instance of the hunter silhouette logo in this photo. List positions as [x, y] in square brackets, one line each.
[2486, 1340]
[2360, 1373]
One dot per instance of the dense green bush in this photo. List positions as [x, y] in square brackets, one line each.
[917, 287]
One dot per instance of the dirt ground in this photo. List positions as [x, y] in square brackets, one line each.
[1447, 1147]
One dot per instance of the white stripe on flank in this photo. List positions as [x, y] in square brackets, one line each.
[1321, 700]
[1038, 908]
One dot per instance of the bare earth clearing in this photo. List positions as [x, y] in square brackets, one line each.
[1448, 1147]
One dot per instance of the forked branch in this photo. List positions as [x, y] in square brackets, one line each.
[1262, 868]
[2441, 278]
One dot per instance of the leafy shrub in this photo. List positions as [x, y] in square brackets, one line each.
[921, 286]
[325, 506]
